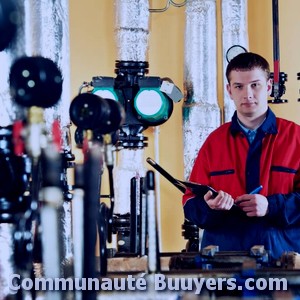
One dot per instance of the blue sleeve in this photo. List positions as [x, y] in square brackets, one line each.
[198, 212]
[284, 209]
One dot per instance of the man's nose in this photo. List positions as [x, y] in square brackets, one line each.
[248, 93]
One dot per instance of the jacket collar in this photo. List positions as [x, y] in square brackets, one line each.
[268, 126]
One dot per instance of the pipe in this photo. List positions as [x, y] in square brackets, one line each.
[132, 29]
[153, 243]
[10, 111]
[132, 33]
[47, 34]
[52, 201]
[7, 265]
[201, 113]
[156, 132]
[77, 225]
[234, 32]
[42, 30]
[92, 185]
[129, 164]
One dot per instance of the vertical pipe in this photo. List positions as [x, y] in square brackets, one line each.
[30, 39]
[133, 216]
[92, 185]
[10, 111]
[276, 52]
[234, 32]
[52, 201]
[7, 265]
[157, 178]
[201, 113]
[47, 34]
[153, 246]
[129, 164]
[143, 222]
[77, 225]
[132, 31]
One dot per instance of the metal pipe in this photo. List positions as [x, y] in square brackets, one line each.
[156, 132]
[10, 111]
[53, 200]
[129, 164]
[153, 243]
[77, 224]
[132, 34]
[133, 216]
[276, 51]
[143, 218]
[47, 35]
[234, 32]
[7, 264]
[201, 113]
[132, 29]
[92, 185]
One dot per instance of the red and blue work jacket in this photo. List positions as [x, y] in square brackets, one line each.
[228, 162]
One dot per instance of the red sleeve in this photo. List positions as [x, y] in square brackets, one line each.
[199, 173]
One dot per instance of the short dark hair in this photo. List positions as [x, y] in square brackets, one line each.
[248, 61]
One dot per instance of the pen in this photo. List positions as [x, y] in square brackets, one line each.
[257, 190]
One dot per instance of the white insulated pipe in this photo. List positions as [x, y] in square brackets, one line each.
[7, 263]
[201, 112]
[47, 35]
[10, 111]
[43, 29]
[132, 31]
[234, 32]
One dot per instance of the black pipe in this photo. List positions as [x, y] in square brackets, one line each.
[276, 52]
[278, 88]
[112, 203]
[143, 219]
[92, 181]
[133, 215]
[153, 239]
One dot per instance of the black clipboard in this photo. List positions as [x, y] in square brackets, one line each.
[196, 188]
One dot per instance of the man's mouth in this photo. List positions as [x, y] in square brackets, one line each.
[248, 103]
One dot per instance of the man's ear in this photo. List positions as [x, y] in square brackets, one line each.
[269, 86]
[228, 89]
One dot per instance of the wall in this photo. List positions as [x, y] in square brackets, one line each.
[93, 52]
[261, 40]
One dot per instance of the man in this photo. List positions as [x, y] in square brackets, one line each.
[254, 149]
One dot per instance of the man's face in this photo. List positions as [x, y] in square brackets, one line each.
[249, 90]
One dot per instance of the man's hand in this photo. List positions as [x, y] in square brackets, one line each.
[222, 201]
[254, 205]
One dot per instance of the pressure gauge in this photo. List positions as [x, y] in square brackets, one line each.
[233, 51]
